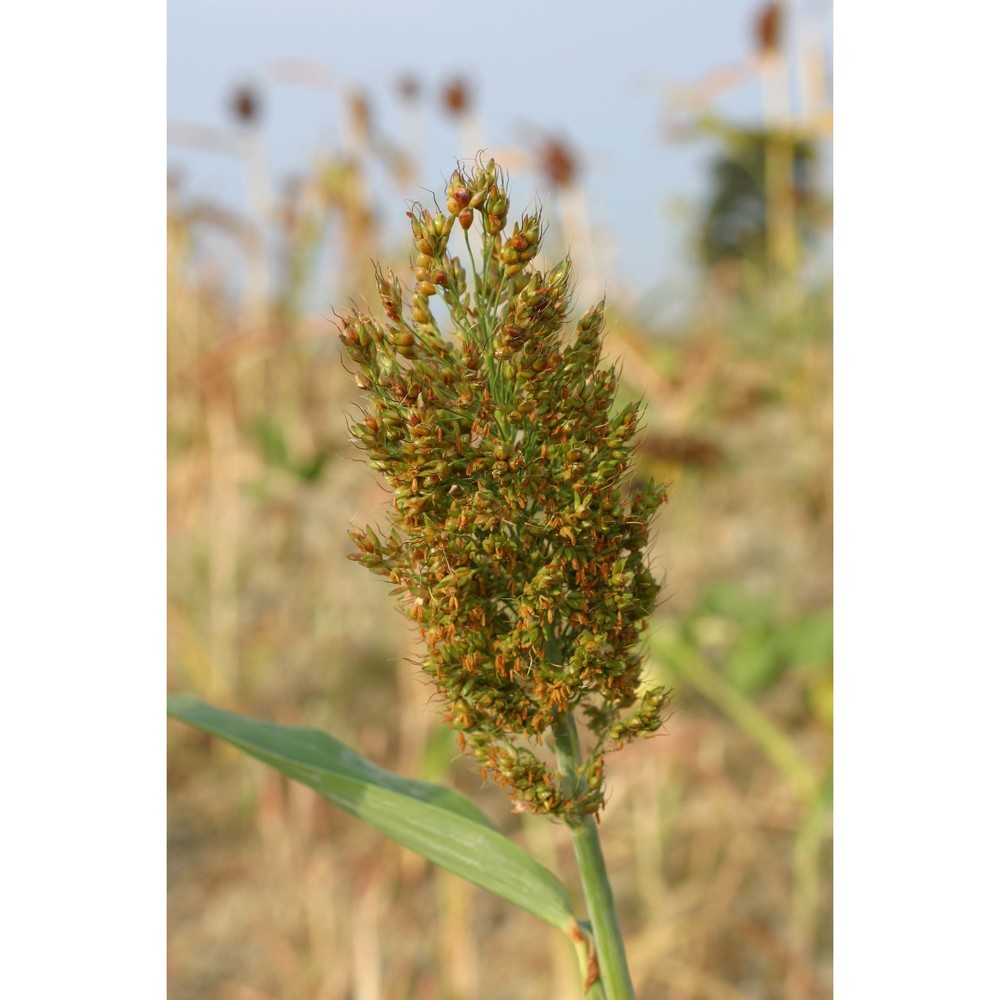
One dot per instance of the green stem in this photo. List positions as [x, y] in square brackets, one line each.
[614, 975]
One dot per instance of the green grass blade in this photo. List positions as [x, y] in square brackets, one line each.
[437, 823]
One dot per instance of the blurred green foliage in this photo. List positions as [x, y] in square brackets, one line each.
[754, 648]
[272, 443]
[751, 643]
[735, 221]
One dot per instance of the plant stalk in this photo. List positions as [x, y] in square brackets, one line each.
[614, 974]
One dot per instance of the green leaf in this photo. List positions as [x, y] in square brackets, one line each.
[437, 823]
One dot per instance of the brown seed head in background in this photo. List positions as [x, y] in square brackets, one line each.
[408, 87]
[245, 105]
[769, 28]
[456, 96]
[558, 162]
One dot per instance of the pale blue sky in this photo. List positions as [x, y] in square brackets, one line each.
[593, 72]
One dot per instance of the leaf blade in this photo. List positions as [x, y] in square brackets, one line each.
[435, 822]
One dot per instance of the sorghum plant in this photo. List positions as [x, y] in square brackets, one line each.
[515, 543]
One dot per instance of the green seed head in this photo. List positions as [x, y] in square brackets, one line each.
[517, 542]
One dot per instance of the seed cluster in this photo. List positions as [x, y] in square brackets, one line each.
[516, 543]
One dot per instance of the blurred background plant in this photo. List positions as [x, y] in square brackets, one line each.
[717, 833]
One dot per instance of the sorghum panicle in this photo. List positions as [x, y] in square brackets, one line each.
[516, 543]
